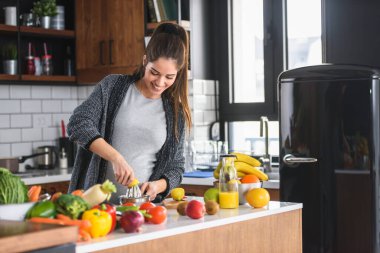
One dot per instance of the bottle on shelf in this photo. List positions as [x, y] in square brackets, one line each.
[228, 183]
[47, 64]
[68, 63]
[30, 68]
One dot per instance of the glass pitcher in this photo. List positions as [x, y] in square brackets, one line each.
[228, 183]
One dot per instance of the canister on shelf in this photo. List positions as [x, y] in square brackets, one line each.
[47, 65]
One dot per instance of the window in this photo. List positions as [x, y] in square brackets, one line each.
[265, 38]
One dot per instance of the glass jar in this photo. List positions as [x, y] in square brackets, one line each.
[37, 64]
[228, 183]
[47, 65]
[30, 68]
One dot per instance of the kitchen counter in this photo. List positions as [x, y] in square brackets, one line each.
[275, 228]
[33, 177]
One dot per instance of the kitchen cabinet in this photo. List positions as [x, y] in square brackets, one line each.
[57, 41]
[109, 38]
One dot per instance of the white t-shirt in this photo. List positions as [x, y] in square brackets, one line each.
[139, 133]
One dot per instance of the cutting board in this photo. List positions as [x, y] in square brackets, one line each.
[21, 236]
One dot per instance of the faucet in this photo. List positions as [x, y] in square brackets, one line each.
[266, 159]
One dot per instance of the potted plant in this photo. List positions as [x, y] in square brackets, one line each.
[9, 55]
[44, 10]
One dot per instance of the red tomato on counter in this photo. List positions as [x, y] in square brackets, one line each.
[146, 206]
[158, 214]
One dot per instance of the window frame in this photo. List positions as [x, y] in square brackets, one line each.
[274, 62]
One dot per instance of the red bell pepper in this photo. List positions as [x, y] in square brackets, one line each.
[111, 209]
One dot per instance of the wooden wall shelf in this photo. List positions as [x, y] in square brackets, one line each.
[8, 28]
[48, 78]
[8, 77]
[37, 31]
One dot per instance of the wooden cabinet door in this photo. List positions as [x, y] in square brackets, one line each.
[91, 36]
[126, 34]
[110, 37]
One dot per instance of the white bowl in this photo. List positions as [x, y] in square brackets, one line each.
[244, 188]
[15, 212]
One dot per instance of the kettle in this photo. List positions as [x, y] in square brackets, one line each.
[49, 159]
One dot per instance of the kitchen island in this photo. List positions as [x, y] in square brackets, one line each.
[274, 228]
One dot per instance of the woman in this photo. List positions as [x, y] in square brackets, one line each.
[134, 126]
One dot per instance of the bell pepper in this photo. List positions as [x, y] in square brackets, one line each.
[101, 222]
[111, 209]
[45, 209]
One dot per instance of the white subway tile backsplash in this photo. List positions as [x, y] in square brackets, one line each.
[209, 87]
[20, 91]
[69, 105]
[30, 115]
[50, 133]
[10, 135]
[51, 106]
[31, 134]
[31, 106]
[21, 149]
[61, 116]
[21, 120]
[61, 92]
[197, 87]
[42, 120]
[41, 92]
[198, 116]
[82, 92]
[5, 121]
[4, 91]
[10, 106]
[5, 150]
[201, 133]
[74, 92]
[208, 117]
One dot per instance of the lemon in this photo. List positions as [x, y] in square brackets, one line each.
[178, 193]
[258, 197]
[134, 183]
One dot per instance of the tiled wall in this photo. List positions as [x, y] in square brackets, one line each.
[30, 115]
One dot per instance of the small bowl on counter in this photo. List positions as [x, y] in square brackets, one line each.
[244, 188]
[137, 201]
[15, 212]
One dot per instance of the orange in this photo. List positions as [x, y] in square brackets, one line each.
[258, 197]
[249, 179]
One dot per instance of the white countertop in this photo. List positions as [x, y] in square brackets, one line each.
[176, 224]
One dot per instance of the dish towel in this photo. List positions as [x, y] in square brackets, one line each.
[198, 174]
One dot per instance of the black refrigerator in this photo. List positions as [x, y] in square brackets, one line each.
[329, 119]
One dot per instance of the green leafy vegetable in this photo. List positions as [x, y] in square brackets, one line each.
[71, 205]
[12, 189]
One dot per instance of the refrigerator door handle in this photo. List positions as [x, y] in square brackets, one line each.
[290, 159]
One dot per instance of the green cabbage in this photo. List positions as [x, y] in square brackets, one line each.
[12, 189]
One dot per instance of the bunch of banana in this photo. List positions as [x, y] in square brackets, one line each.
[244, 165]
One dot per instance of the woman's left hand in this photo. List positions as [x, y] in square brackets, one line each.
[153, 188]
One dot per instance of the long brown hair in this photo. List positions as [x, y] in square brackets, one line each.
[171, 41]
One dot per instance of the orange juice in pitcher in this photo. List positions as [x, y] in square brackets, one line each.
[228, 183]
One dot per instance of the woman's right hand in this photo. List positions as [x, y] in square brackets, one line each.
[123, 171]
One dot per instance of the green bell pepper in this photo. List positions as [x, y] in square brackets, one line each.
[44, 209]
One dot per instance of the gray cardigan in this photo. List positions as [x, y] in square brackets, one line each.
[95, 118]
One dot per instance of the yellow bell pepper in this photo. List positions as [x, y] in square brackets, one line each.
[101, 222]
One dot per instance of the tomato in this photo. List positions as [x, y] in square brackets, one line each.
[158, 214]
[146, 206]
[128, 204]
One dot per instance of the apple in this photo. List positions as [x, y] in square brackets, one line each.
[195, 209]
